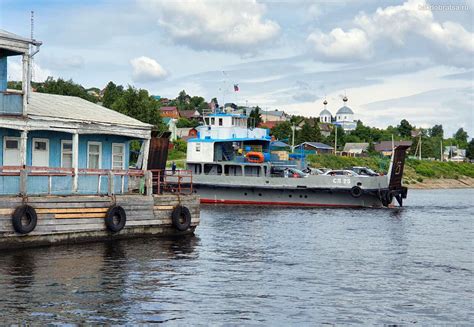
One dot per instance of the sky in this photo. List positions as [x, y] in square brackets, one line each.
[393, 59]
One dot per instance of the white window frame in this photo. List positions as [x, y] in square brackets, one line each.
[35, 139]
[62, 151]
[123, 155]
[100, 154]
[11, 138]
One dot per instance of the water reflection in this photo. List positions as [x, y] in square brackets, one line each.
[261, 266]
[84, 282]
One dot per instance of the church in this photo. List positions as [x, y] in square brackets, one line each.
[344, 116]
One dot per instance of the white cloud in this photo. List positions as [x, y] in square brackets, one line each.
[340, 45]
[397, 24]
[147, 70]
[234, 26]
[38, 74]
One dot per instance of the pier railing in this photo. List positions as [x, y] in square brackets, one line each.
[60, 181]
[169, 181]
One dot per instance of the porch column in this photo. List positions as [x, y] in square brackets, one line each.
[75, 161]
[23, 147]
[24, 83]
[146, 152]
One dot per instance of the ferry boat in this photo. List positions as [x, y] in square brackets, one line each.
[233, 164]
[64, 168]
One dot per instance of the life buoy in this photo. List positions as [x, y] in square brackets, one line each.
[255, 157]
[115, 219]
[356, 191]
[24, 219]
[181, 218]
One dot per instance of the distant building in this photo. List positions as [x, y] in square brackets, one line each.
[326, 129]
[315, 148]
[344, 117]
[274, 116]
[189, 114]
[170, 112]
[355, 149]
[186, 133]
[453, 153]
[386, 147]
[269, 124]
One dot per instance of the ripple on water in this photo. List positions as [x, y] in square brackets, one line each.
[250, 265]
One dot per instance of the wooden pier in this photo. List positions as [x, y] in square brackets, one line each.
[66, 219]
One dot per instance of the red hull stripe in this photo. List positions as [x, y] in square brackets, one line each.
[296, 204]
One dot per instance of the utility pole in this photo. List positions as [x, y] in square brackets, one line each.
[293, 138]
[419, 155]
[441, 157]
[335, 140]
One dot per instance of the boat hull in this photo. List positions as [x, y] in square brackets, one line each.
[285, 197]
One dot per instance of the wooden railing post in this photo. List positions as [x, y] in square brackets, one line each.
[111, 185]
[23, 181]
[149, 182]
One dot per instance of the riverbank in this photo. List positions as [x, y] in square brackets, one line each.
[443, 183]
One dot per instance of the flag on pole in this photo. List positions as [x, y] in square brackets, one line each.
[236, 87]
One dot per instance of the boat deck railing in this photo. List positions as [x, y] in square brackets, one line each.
[172, 181]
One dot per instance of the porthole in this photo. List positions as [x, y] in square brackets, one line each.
[290, 195]
[305, 196]
[245, 193]
[301, 196]
[259, 194]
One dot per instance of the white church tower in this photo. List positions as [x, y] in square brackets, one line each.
[325, 115]
[345, 117]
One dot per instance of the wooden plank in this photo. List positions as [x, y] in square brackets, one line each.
[78, 215]
[6, 211]
[163, 207]
[69, 210]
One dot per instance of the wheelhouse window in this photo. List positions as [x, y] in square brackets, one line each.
[198, 147]
[94, 155]
[220, 121]
[118, 156]
[213, 121]
[66, 154]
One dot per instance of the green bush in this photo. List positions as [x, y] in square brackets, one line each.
[425, 171]
[419, 179]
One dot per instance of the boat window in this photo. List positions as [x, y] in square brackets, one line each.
[252, 171]
[233, 170]
[213, 121]
[66, 154]
[206, 120]
[210, 169]
[118, 156]
[198, 147]
[220, 121]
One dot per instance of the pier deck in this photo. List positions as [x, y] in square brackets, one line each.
[66, 219]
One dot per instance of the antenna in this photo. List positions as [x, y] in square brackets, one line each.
[32, 26]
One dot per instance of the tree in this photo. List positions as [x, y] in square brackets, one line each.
[437, 131]
[461, 137]
[404, 129]
[282, 131]
[111, 93]
[255, 117]
[470, 150]
[186, 123]
[309, 133]
[137, 103]
[63, 87]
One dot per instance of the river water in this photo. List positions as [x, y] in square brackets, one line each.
[249, 265]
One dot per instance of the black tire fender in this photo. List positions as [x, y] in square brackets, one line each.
[356, 191]
[115, 219]
[22, 213]
[181, 218]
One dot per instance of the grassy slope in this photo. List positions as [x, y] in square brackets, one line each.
[415, 170]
